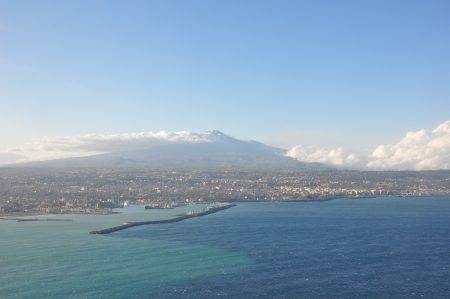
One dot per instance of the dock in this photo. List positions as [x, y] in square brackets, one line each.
[178, 218]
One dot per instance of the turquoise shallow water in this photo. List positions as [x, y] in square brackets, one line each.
[62, 260]
[371, 248]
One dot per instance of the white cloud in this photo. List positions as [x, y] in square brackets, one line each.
[84, 145]
[334, 157]
[421, 150]
[117, 142]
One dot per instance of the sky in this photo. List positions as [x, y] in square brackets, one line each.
[322, 74]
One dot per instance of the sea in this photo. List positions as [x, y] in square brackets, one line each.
[344, 248]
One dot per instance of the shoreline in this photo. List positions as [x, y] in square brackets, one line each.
[318, 199]
[33, 219]
[8, 216]
[33, 214]
[178, 218]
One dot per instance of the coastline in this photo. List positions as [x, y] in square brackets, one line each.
[32, 219]
[3, 216]
[13, 216]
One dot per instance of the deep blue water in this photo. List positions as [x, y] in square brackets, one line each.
[368, 248]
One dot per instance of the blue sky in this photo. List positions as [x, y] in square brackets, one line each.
[325, 73]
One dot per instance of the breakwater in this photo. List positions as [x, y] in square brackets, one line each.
[178, 218]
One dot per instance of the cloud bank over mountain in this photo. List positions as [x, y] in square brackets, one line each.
[120, 142]
[421, 150]
[91, 144]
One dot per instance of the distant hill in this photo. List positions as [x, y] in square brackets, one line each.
[216, 150]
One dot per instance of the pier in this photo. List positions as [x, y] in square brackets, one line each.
[178, 218]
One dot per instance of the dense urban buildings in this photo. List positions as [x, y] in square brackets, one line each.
[97, 191]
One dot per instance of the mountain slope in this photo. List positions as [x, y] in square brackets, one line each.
[215, 151]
